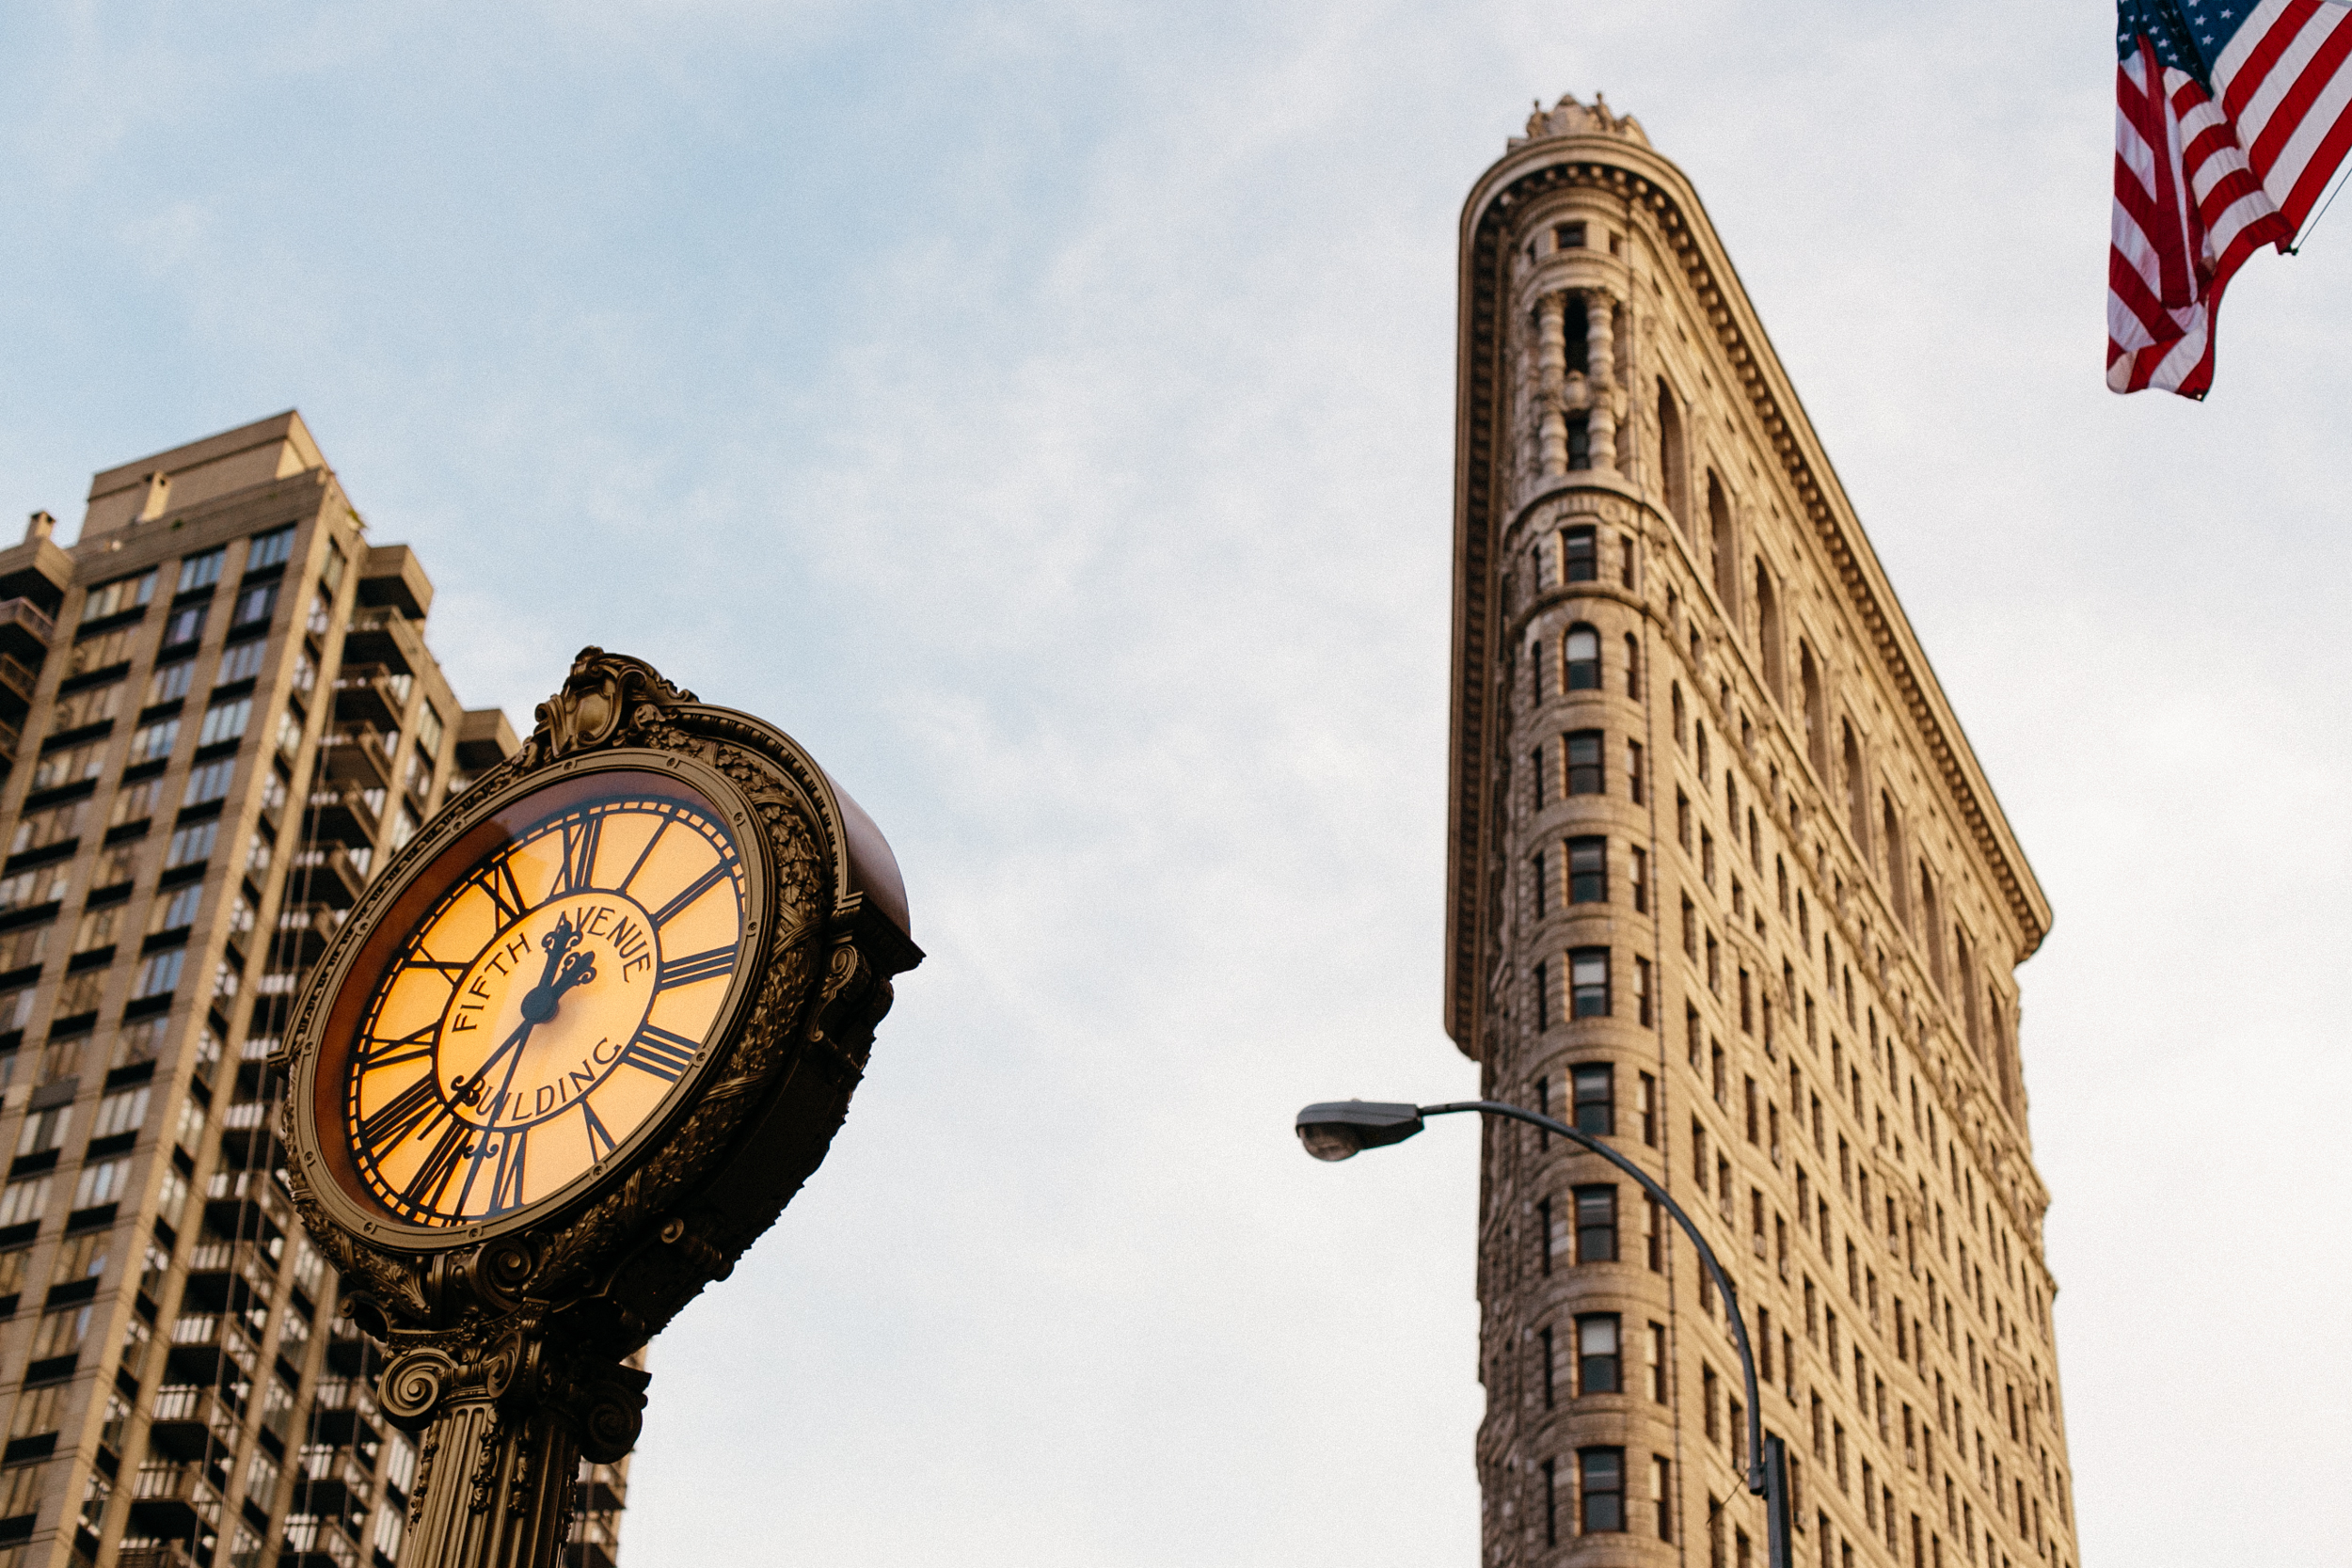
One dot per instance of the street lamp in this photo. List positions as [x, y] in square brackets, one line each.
[1338, 1129]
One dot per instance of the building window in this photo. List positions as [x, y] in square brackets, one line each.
[170, 682]
[118, 595]
[1602, 1484]
[1597, 1368]
[1588, 982]
[1543, 996]
[185, 625]
[241, 663]
[1654, 1234]
[1641, 991]
[1588, 871]
[1585, 762]
[1552, 1504]
[190, 845]
[1581, 652]
[1632, 667]
[154, 742]
[1544, 1339]
[1596, 1224]
[158, 975]
[1596, 1098]
[1579, 557]
[1661, 1495]
[203, 571]
[255, 604]
[1542, 880]
[269, 549]
[225, 721]
[1633, 771]
[1646, 1098]
[1656, 1355]
[1641, 881]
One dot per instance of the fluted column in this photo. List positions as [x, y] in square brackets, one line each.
[1601, 375]
[1552, 369]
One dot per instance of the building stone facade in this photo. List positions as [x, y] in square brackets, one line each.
[220, 717]
[1727, 886]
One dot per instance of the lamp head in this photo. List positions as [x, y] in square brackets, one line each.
[1336, 1129]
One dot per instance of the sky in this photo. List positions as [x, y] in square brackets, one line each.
[1044, 410]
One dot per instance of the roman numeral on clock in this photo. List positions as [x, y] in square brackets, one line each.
[695, 966]
[506, 1183]
[579, 853]
[599, 1139]
[497, 881]
[381, 1130]
[376, 1053]
[656, 1051]
[424, 1189]
[687, 894]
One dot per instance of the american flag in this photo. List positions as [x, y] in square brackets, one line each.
[2229, 117]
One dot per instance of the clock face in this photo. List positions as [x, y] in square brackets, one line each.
[545, 1001]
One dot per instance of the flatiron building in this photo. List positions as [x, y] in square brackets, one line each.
[1729, 890]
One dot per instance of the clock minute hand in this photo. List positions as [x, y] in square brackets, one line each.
[469, 1090]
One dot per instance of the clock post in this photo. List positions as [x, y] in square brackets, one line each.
[570, 1056]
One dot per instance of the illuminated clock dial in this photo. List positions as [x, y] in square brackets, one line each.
[546, 1005]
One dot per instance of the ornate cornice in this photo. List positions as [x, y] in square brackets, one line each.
[1635, 177]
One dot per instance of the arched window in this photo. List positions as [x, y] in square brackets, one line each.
[1632, 667]
[1581, 652]
[1580, 556]
[1897, 882]
[1857, 792]
[1674, 478]
[1768, 631]
[1673, 693]
[1719, 540]
[1816, 732]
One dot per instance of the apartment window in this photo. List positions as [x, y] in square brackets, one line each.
[79, 994]
[1690, 934]
[121, 594]
[24, 1199]
[190, 845]
[1588, 871]
[170, 682]
[322, 612]
[1674, 702]
[225, 721]
[1715, 1058]
[241, 663]
[1714, 965]
[1596, 1098]
[1641, 991]
[1542, 1234]
[1656, 1355]
[1602, 1484]
[255, 604]
[1541, 884]
[203, 571]
[102, 1182]
[158, 975]
[1632, 656]
[1706, 857]
[1588, 982]
[1580, 556]
[1583, 748]
[1581, 652]
[1633, 771]
[37, 830]
[1569, 236]
[1598, 1367]
[1543, 996]
[70, 766]
[28, 888]
[1641, 881]
[96, 928]
[124, 1111]
[1654, 1234]
[1552, 1504]
[210, 782]
[1647, 1104]
[1596, 1224]
[91, 706]
[185, 625]
[1543, 1339]
[154, 742]
[1661, 1494]
[269, 549]
[1682, 819]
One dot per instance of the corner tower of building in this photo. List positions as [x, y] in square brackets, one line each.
[1728, 888]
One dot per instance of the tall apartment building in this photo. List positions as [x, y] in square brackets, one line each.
[220, 716]
[1728, 888]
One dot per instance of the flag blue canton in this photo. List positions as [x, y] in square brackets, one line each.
[2188, 35]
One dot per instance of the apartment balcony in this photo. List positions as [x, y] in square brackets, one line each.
[171, 1554]
[216, 1350]
[17, 680]
[303, 934]
[174, 1501]
[371, 694]
[344, 813]
[25, 630]
[190, 1422]
[384, 636]
[329, 876]
[355, 756]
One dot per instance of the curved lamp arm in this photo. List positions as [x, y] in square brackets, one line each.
[1368, 1126]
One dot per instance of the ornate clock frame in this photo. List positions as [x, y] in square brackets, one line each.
[506, 1339]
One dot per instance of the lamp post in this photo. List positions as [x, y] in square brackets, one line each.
[1334, 1130]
